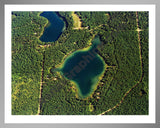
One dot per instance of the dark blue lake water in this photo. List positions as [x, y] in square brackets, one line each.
[84, 67]
[54, 27]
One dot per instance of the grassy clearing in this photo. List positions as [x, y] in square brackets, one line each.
[77, 21]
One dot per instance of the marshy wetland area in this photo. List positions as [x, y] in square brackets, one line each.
[80, 63]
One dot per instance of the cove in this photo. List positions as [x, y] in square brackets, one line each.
[84, 68]
[53, 29]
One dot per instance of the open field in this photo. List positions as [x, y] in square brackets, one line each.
[76, 21]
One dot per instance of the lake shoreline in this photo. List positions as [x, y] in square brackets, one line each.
[44, 25]
[95, 81]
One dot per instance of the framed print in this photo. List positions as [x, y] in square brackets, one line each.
[80, 64]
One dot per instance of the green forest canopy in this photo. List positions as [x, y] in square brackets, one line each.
[120, 50]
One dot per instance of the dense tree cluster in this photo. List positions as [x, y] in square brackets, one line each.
[136, 102]
[26, 62]
[93, 19]
[143, 20]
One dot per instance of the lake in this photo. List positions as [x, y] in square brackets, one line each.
[84, 68]
[53, 29]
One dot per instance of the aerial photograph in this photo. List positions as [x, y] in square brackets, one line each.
[80, 63]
